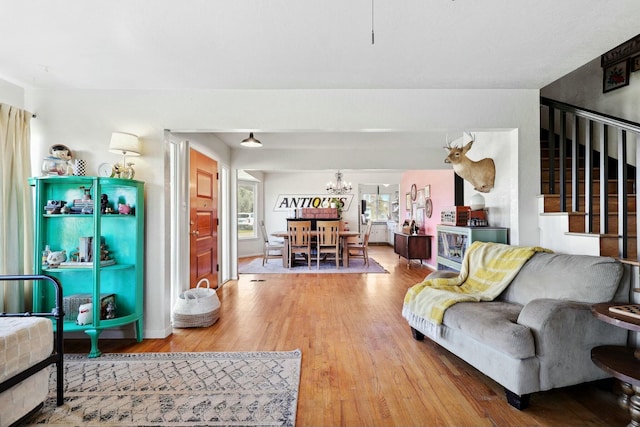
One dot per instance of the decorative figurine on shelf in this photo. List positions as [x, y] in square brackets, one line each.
[125, 172]
[55, 258]
[104, 203]
[104, 252]
[85, 314]
[124, 209]
[59, 161]
[54, 206]
[86, 192]
[110, 310]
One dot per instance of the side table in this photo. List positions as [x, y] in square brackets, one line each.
[623, 363]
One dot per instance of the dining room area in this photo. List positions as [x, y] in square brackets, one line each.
[319, 236]
[368, 215]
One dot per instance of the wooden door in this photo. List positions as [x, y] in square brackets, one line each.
[203, 218]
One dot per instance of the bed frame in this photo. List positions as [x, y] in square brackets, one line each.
[57, 356]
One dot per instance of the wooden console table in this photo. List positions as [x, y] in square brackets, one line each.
[621, 362]
[412, 246]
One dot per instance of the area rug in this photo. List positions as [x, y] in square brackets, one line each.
[176, 389]
[275, 266]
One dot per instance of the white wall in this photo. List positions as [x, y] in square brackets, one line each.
[84, 120]
[583, 88]
[503, 148]
[11, 94]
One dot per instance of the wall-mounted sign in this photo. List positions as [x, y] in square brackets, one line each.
[286, 202]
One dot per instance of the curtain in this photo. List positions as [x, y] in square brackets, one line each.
[16, 205]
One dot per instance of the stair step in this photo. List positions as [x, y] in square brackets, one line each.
[612, 186]
[578, 222]
[609, 246]
[581, 172]
[552, 202]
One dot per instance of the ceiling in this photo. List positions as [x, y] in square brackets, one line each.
[305, 44]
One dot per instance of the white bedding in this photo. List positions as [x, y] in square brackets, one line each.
[24, 341]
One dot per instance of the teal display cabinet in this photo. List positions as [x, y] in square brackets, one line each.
[104, 248]
[453, 242]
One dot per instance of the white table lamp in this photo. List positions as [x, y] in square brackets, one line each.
[127, 145]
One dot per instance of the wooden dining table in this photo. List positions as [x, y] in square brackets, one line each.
[344, 237]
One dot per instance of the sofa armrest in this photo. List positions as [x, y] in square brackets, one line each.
[557, 323]
[564, 333]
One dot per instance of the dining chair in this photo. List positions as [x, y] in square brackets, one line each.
[299, 233]
[359, 250]
[272, 249]
[328, 240]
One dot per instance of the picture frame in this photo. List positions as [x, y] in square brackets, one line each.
[407, 205]
[615, 76]
[635, 63]
[419, 218]
[427, 191]
[420, 198]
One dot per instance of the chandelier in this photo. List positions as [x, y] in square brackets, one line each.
[339, 187]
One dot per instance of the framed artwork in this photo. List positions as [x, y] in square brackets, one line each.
[414, 191]
[420, 198]
[615, 76]
[428, 210]
[427, 191]
[635, 63]
[407, 205]
[419, 218]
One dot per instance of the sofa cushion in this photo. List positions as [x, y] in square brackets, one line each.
[493, 323]
[582, 278]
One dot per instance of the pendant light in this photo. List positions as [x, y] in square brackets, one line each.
[251, 142]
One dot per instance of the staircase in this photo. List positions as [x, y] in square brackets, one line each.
[576, 179]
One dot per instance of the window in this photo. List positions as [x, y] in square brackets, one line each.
[247, 192]
[378, 206]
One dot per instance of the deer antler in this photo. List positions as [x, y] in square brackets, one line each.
[472, 136]
[448, 146]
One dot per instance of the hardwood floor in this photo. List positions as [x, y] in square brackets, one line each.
[360, 365]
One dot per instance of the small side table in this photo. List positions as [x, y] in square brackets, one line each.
[623, 363]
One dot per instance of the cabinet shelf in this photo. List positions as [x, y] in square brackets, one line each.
[88, 269]
[86, 216]
[72, 326]
[117, 236]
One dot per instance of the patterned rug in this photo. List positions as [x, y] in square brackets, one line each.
[176, 389]
[275, 266]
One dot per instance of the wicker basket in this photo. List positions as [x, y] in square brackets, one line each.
[195, 320]
[196, 308]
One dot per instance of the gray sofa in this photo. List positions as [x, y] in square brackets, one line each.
[538, 334]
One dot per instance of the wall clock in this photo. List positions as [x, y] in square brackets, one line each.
[105, 169]
[414, 192]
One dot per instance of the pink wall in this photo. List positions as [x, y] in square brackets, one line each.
[442, 196]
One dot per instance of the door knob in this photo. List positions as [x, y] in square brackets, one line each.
[195, 233]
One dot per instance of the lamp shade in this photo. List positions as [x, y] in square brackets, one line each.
[477, 202]
[124, 143]
[251, 142]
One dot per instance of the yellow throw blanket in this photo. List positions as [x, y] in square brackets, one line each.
[487, 269]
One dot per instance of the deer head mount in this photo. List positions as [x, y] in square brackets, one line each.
[480, 174]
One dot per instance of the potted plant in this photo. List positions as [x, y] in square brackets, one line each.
[336, 204]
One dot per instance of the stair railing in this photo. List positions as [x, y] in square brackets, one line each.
[574, 126]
